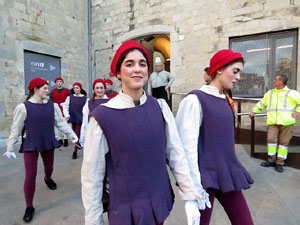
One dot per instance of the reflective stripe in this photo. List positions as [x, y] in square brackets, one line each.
[281, 156]
[272, 149]
[271, 96]
[262, 104]
[258, 107]
[286, 98]
[282, 110]
[282, 151]
[270, 144]
[284, 147]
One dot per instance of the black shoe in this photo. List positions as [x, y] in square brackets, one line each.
[279, 168]
[268, 164]
[66, 143]
[29, 212]
[74, 156]
[60, 141]
[51, 184]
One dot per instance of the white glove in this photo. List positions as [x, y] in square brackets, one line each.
[81, 143]
[74, 139]
[192, 212]
[67, 118]
[204, 203]
[10, 155]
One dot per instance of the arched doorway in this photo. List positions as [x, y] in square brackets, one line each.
[157, 45]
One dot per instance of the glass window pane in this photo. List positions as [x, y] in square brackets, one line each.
[253, 80]
[284, 57]
[265, 56]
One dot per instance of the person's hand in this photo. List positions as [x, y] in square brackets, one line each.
[251, 114]
[167, 87]
[10, 155]
[149, 94]
[204, 203]
[295, 114]
[74, 139]
[192, 212]
[67, 118]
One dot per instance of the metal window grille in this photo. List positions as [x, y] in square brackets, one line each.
[266, 55]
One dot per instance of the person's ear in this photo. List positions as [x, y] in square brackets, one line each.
[119, 75]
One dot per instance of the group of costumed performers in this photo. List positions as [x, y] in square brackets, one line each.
[133, 137]
[130, 139]
[43, 127]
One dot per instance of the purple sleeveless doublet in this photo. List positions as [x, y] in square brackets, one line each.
[218, 164]
[39, 128]
[139, 184]
[92, 104]
[75, 108]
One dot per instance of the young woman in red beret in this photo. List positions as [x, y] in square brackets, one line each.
[108, 86]
[99, 97]
[73, 111]
[134, 136]
[205, 124]
[35, 120]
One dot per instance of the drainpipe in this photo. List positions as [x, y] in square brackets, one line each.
[90, 70]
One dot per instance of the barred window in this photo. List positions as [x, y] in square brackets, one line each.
[266, 55]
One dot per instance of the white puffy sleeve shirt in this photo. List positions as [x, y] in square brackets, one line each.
[93, 166]
[188, 120]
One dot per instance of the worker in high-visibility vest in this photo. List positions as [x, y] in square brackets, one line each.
[283, 106]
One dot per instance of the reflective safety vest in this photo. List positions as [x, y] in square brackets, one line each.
[280, 105]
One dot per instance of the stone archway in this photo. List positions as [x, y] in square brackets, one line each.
[156, 39]
[145, 31]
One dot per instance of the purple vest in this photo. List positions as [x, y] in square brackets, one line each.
[139, 184]
[39, 128]
[75, 109]
[218, 164]
[95, 102]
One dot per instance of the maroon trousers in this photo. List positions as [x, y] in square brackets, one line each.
[31, 162]
[234, 204]
[76, 128]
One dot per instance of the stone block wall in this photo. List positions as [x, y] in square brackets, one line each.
[197, 29]
[60, 26]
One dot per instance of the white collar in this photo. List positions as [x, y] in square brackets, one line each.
[123, 101]
[33, 100]
[212, 90]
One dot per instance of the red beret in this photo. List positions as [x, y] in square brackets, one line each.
[222, 58]
[108, 81]
[97, 81]
[124, 47]
[36, 82]
[58, 78]
[77, 84]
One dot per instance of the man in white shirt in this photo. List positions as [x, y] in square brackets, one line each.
[160, 81]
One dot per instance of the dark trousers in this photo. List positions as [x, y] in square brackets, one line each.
[160, 92]
[234, 204]
[76, 128]
[31, 163]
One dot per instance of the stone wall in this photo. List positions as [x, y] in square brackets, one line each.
[54, 27]
[197, 29]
